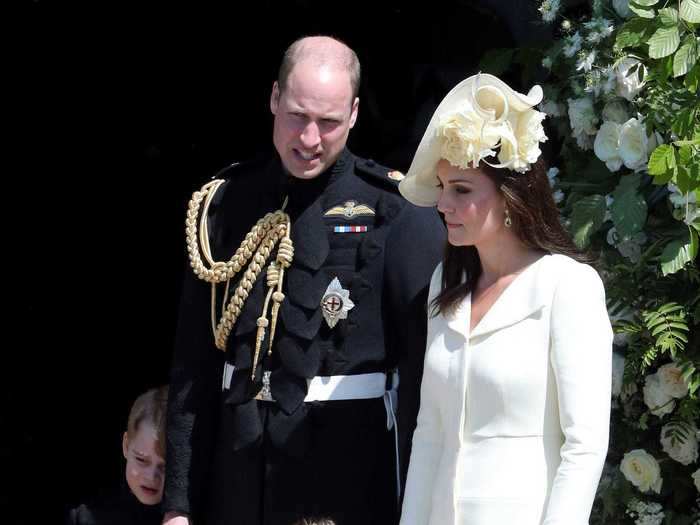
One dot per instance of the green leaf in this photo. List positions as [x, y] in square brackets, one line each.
[694, 174]
[627, 183]
[692, 79]
[646, 3]
[629, 213]
[685, 58]
[668, 16]
[683, 123]
[586, 218]
[664, 42]
[678, 253]
[644, 12]
[690, 11]
[688, 169]
[497, 61]
[661, 164]
[632, 33]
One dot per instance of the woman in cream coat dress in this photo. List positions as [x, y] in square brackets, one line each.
[515, 396]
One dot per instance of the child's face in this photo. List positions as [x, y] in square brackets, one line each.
[145, 469]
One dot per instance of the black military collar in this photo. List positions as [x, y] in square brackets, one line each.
[302, 192]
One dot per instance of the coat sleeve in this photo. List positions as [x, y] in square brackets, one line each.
[427, 440]
[581, 357]
[413, 249]
[193, 400]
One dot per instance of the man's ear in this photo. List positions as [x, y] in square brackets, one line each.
[275, 98]
[354, 110]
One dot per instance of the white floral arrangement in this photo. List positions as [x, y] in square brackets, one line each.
[621, 95]
[470, 135]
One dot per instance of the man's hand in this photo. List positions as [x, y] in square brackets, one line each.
[175, 518]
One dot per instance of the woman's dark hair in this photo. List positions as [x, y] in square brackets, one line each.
[535, 221]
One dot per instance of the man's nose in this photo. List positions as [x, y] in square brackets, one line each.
[311, 136]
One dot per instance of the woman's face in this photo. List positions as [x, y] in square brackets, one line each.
[145, 468]
[473, 207]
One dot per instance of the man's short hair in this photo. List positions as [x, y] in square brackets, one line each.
[295, 53]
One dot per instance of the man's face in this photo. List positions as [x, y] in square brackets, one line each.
[313, 116]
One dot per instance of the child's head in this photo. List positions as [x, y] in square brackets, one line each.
[144, 446]
[315, 521]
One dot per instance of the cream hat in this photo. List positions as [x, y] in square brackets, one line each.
[479, 115]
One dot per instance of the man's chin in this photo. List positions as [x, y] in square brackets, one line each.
[308, 173]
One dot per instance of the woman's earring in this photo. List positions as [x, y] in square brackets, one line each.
[508, 222]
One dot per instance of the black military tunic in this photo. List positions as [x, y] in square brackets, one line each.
[234, 459]
[117, 508]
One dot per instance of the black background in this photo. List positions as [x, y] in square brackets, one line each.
[117, 112]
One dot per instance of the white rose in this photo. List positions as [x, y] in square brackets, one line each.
[634, 144]
[642, 470]
[606, 145]
[686, 452]
[528, 133]
[628, 85]
[466, 137]
[616, 112]
[622, 8]
[618, 370]
[658, 401]
[696, 479]
[671, 381]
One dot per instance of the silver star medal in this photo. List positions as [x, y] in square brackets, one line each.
[336, 303]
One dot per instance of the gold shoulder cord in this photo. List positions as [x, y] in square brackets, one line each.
[254, 251]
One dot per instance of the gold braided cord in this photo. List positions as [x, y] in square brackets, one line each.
[254, 252]
[245, 285]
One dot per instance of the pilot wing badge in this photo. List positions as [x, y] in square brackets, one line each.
[349, 210]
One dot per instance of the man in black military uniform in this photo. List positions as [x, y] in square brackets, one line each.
[293, 415]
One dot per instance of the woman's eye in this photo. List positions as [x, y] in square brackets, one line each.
[461, 190]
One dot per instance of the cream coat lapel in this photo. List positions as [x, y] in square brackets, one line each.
[526, 294]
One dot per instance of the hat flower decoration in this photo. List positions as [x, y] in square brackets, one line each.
[480, 119]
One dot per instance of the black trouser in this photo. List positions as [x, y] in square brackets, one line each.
[336, 461]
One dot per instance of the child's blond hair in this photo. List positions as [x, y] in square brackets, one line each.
[150, 406]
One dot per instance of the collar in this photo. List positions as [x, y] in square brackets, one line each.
[525, 295]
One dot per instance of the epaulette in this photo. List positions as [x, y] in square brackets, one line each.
[224, 173]
[380, 173]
